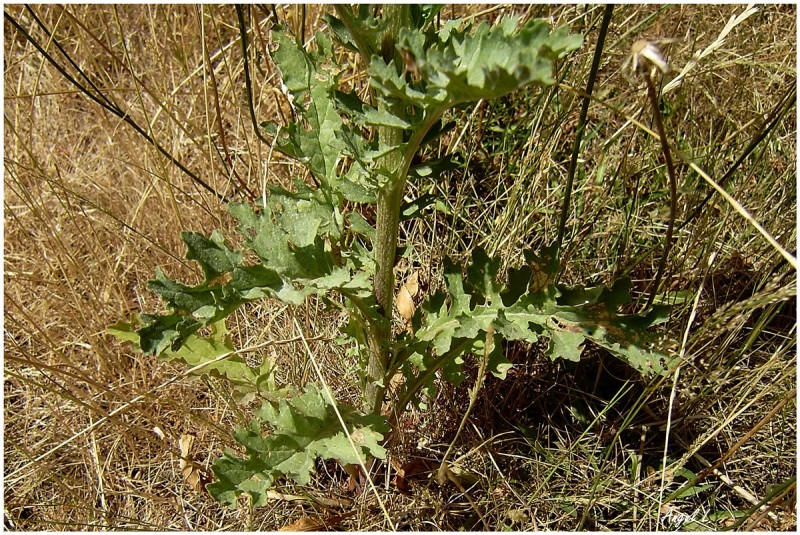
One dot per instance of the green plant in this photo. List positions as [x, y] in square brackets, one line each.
[306, 244]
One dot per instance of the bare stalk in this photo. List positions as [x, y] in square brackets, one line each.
[673, 185]
[573, 163]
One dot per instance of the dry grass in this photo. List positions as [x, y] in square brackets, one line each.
[91, 430]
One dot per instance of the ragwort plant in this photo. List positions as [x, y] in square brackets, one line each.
[360, 153]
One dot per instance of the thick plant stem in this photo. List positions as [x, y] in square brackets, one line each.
[383, 285]
[389, 200]
[390, 197]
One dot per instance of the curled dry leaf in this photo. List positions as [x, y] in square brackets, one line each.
[416, 470]
[355, 479]
[307, 523]
[191, 474]
[405, 304]
[412, 284]
[405, 298]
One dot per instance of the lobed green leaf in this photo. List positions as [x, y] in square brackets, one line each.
[458, 65]
[302, 428]
[525, 307]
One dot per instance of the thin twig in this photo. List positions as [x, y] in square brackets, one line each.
[744, 213]
[108, 106]
[776, 115]
[228, 160]
[247, 82]
[573, 163]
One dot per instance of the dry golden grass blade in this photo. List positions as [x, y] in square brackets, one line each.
[124, 407]
[744, 213]
[321, 500]
[703, 53]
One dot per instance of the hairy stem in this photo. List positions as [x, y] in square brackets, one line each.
[390, 197]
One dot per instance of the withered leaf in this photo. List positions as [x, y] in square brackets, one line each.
[191, 473]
